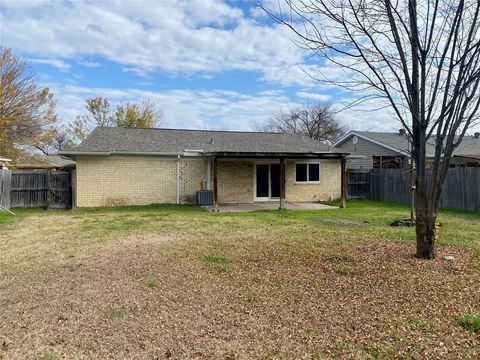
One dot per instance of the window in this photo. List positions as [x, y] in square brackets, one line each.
[389, 162]
[307, 172]
[301, 171]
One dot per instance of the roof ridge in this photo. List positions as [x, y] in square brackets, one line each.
[197, 130]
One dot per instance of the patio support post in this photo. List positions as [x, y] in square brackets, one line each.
[282, 181]
[215, 164]
[344, 183]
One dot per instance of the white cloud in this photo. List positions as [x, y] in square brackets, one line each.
[171, 36]
[195, 109]
[313, 96]
[139, 72]
[90, 64]
[58, 64]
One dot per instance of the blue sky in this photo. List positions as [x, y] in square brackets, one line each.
[207, 63]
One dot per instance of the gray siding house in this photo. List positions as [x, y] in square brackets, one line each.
[369, 150]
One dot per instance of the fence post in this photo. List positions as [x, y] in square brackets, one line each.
[49, 193]
[344, 183]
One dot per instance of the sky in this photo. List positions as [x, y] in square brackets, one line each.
[208, 64]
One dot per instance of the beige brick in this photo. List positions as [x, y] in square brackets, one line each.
[115, 180]
[235, 181]
[328, 188]
[192, 174]
[130, 180]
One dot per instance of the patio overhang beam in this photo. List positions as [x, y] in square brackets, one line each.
[279, 155]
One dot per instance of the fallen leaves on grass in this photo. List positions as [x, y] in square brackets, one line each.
[290, 291]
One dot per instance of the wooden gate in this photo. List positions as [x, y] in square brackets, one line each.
[41, 189]
[358, 184]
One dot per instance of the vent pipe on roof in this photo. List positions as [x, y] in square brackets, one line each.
[211, 141]
[402, 132]
[477, 135]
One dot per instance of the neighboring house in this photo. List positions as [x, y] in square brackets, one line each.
[4, 162]
[392, 150]
[143, 166]
[46, 162]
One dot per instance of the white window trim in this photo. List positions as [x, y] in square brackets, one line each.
[308, 170]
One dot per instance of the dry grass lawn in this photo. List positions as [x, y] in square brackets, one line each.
[178, 282]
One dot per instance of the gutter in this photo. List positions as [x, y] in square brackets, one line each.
[140, 153]
[200, 153]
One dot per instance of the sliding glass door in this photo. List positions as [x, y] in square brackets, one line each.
[267, 182]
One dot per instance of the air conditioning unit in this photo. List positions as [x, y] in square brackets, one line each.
[205, 197]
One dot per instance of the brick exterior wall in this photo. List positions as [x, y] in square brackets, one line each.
[193, 175]
[235, 182]
[330, 186]
[131, 180]
[105, 181]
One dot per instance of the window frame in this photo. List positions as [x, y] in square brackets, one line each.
[308, 172]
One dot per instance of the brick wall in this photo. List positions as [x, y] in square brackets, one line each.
[235, 181]
[192, 174]
[115, 180]
[104, 181]
[330, 186]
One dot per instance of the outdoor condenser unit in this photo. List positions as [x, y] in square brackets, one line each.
[205, 197]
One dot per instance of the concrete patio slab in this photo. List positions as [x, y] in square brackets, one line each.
[273, 205]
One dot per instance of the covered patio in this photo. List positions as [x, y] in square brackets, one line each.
[268, 184]
[271, 205]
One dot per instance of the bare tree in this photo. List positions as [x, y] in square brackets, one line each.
[421, 59]
[57, 138]
[316, 121]
[26, 110]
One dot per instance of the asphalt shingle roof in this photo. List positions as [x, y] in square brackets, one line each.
[135, 140]
[469, 146]
[46, 161]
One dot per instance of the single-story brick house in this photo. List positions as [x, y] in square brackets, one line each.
[143, 166]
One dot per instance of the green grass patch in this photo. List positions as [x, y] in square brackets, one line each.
[216, 259]
[343, 270]
[417, 323]
[338, 257]
[152, 283]
[377, 351]
[114, 313]
[470, 322]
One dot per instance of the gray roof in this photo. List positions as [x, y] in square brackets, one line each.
[176, 141]
[469, 146]
[46, 161]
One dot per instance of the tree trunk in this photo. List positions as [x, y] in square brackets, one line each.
[426, 209]
[425, 231]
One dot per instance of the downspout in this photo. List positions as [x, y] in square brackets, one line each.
[178, 179]
[209, 175]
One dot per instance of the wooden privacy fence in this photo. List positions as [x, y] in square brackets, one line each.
[5, 185]
[40, 189]
[460, 191]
